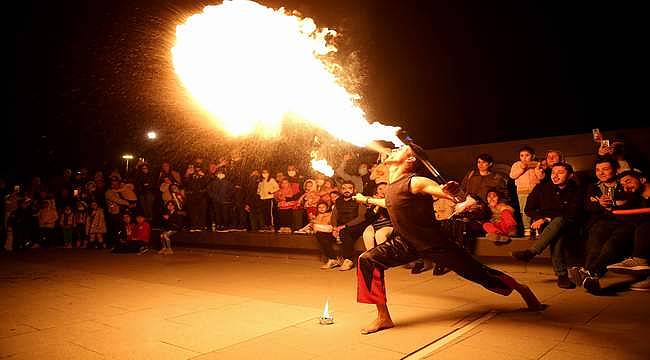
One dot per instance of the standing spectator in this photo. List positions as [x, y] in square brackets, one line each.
[165, 193]
[116, 203]
[177, 196]
[552, 157]
[145, 187]
[166, 171]
[172, 223]
[96, 226]
[47, 218]
[527, 173]
[220, 192]
[502, 224]
[266, 189]
[80, 220]
[21, 222]
[555, 209]
[356, 180]
[369, 186]
[196, 182]
[66, 222]
[253, 204]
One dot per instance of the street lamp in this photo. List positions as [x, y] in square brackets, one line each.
[127, 157]
[151, 135]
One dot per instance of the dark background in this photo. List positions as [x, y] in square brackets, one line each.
[90, 77]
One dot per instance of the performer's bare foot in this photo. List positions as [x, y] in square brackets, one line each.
[377, 325]
[529, 297]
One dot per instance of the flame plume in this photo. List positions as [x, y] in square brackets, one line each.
[250, 67]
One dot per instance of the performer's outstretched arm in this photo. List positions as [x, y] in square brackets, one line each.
[360, 198]
[422, 185]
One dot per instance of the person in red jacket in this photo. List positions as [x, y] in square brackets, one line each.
[138, 242]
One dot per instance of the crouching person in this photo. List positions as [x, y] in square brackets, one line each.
[172, 223]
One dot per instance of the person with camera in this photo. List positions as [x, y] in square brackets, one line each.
[526, 173]
[555, 209]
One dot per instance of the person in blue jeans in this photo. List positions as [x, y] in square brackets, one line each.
[555, 209]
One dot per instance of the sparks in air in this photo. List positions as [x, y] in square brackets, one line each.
[251, 67]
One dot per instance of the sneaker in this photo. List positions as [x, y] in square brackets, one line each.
[523, 255]
[577, 275]
[169, 251]
[643, 285]
[633, 264]
[162, 251]
[502, 240]
[331, 264]
[347, 265]
[564, 282]
[143, 250]
[591, 284]
[439, 270]
[300, 232]
[421, 266]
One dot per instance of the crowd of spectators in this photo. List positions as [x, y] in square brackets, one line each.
[590, 226]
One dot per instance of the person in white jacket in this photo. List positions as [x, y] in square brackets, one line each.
[265, 189]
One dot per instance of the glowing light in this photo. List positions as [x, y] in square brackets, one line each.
[326, 313]
[127, 157]
[251, 67]
[151, 135]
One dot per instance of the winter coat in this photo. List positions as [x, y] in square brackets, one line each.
[96, 223]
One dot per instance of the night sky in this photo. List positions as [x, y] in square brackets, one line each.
[90, 77]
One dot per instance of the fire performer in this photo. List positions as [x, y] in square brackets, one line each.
[409, 201]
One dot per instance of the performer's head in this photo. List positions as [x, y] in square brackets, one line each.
[402, 156]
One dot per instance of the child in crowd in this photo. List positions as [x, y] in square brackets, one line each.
[172, 223]
[526, 173]
[320, 222]
[141, 234]
[96, 226]
[502, 224]
[80, 219]
[124, 235]
[310, 199]
[47, 217]
[128, 193]
[66, 222]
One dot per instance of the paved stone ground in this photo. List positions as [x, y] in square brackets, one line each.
[197, 304]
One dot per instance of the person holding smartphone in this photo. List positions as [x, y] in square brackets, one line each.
[526, 173]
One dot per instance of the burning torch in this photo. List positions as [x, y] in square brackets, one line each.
[421, 155]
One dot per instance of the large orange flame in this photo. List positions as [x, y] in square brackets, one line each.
[251, 67]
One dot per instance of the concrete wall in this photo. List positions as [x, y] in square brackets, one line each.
[579, 150]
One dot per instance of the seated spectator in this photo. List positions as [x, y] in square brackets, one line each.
[142, 233]
[287, 197]
[321, 222]
[310, 199]
[502, 224]
[67, 224]
[165, 193]
[609, 237]
[526, 173]
[348, 224]
[177, 196]
[479, 181]
[381, 227]
[96, 226]
[172, 223]
[634, 182]
[555, 209]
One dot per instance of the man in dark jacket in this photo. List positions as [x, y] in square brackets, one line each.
[554, 209]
